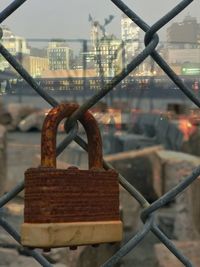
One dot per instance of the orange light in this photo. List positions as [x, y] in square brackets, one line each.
[187, 128]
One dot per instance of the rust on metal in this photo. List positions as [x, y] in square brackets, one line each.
[72, 195]
[48, 142]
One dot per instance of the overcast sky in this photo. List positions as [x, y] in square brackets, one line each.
[69, 19]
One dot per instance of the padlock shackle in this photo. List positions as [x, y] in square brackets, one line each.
[49, 133]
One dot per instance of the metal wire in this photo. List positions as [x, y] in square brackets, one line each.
[37, 256]
[151, 41]
[10, 9]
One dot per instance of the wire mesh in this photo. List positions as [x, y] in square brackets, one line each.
[147, 215]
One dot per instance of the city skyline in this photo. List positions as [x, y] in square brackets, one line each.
[33, 22]
[182, 38]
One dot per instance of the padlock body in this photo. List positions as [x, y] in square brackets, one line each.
[70, 207]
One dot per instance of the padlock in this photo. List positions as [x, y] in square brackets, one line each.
[70, 207]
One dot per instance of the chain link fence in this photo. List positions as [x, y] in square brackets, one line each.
[148, 210]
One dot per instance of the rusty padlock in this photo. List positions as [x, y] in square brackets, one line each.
[70, 207]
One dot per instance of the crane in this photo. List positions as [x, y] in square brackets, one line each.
[102, 27]
[96, 43]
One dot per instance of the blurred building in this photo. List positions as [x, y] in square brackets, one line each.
[35, 65]
[85, 59]
[185, 34]
[59, 55]
[183, 55]
[183, 45]
[37, 62]
[16, 45]
[109, 55]
[130, 34]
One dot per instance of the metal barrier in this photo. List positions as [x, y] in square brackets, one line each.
[147, 215]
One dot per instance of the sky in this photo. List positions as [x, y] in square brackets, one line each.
[69, 19]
